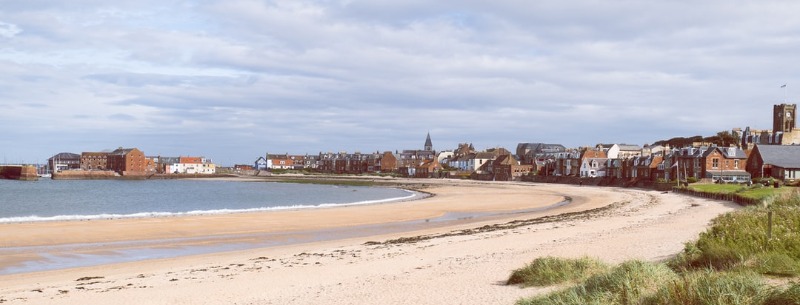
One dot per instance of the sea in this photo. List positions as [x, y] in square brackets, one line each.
[56, 200]
[67, 200]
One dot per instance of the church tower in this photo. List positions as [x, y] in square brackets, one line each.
[428, 143]
[784, 118]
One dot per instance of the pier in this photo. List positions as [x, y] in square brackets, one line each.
[18, 172]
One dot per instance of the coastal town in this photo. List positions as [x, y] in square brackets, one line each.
[736, 156]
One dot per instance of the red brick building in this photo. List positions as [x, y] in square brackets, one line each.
[94, 161]
[388, 162]
[508, 168]
[127, 161]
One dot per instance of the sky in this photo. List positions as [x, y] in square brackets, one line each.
[232, 80]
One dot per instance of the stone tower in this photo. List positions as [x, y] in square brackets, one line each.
[428, 143]
[784, 118]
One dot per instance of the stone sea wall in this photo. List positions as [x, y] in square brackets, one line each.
[84, 175]
[18, 172]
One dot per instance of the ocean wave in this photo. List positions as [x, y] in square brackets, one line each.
[34, 218]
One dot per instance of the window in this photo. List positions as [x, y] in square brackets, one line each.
[736, 164]
[715, 163]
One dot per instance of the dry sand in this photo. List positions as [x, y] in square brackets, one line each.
[464, 263]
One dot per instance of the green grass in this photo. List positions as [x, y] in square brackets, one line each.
[728, 264]
[625, 284]
[740, 237]
[717, 188]
[546, 271]
[756, 191]
[784, 296]
[708, 287]
[774, 264]
[766, 192]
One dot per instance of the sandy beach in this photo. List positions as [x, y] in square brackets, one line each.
[457, 262]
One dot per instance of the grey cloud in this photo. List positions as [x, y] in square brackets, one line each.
[141, 80]
[377, 75]
[122, 117]
[9, 30]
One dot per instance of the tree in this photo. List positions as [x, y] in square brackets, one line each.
[724, 139]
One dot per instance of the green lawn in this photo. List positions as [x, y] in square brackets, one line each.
[717, 188]
[756, 192]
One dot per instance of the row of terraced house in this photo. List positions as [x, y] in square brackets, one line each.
[769, 153]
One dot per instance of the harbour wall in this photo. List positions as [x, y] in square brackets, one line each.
[84, 175]
[18, 172]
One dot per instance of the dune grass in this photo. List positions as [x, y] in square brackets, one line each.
[728, 264]
[546, 271]
[783, 296]
[740, 240]
[709, 287]
[624, 284]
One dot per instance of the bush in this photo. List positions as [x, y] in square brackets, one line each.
[691, 180]
[545, 271]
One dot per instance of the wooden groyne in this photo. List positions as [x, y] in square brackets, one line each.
[19, 172]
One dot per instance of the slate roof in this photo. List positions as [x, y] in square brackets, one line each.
[428, 143]
[121, 151]
[786, 156]
[629, 147]
[66, 155]
[729, 153]
[737, 153]
[485, 155]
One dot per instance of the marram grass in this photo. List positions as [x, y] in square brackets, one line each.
[625, 284]
[546, 271]
[739, 240]
[728, 264]
[784, 296]
[709, 287]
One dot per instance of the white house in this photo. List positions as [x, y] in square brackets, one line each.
[593, 167]
[192, 165]
[262, 163]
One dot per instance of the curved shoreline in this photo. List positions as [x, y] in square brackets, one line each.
[53, 245]
[456, 263]
[150, 228]
[84, 255]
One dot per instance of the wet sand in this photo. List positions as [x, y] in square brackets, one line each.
[460, 262]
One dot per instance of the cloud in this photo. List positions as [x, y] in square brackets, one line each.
[9, 30]
[122, 117]
[308, 76]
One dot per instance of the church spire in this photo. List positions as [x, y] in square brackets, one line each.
[428, 143]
